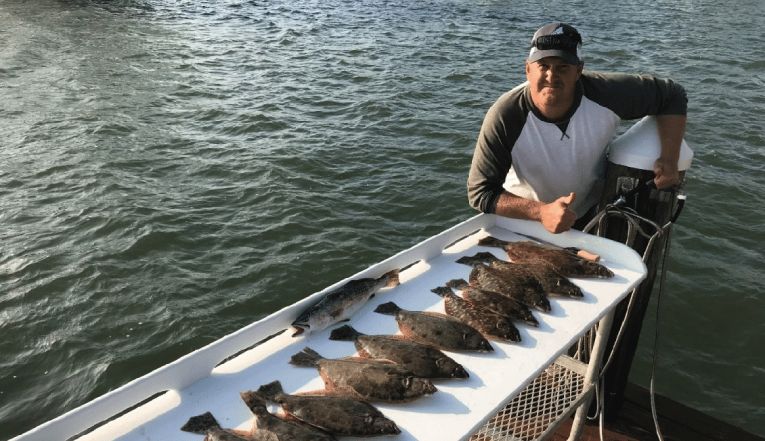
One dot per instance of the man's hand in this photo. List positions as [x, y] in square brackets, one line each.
[556, 216]
[666, 173]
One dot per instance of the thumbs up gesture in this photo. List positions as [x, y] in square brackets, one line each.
[556, 217]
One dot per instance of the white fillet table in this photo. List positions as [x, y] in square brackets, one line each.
[210, 379]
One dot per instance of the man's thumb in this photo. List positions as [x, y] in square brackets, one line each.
[567, 200]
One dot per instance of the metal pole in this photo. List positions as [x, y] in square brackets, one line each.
[592, 375]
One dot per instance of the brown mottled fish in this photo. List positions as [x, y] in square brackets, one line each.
[436, 329]
[338, 415]
[365, 379]
[423, 360]
[488, 322]
[207, 425]
[506, 283]
[283, 430]
[565, 262]
[549, 279]
[340, 304]
[494, 301]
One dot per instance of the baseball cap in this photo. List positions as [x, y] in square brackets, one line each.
[556, 40]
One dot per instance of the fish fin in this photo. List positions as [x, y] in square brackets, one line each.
[253, 400]
[443, 291]
[307, 358]
[344, 333]
[201, 423]
[389, 308]
[490, 241]
[271, 390]
[457, 283]
[298, 330]
[393, 278]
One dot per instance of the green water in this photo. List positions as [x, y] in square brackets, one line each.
[171, 171]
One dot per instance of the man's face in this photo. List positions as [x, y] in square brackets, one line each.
[552, 81]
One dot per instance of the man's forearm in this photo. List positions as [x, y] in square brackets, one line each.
[510, 205]
[671, 131]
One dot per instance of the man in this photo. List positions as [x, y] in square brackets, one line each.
[541, 152]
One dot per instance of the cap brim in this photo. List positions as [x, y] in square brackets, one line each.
[568, 57]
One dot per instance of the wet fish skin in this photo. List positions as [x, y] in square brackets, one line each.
[550, 280]
[341, 416]
[206, 424]
[563, 261]
[436, 329]
[423, 360]
[283, 430]
[502, 282]
[341, 303]
[365, 379]
[488, 322]
[496, 302]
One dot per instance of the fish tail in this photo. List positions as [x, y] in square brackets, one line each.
[392, 278]
[306, 358]
[201, 423]
[389, 308]
[457, 283]
[477, 258]
[254, 401]
[443, 291]
[271, 390]
[490, 241]
[344, 333]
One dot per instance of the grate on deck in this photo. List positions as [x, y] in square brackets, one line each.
[544, 402]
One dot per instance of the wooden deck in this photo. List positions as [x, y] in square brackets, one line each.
[676, 421]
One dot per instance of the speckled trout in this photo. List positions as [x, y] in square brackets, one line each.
[341, 303]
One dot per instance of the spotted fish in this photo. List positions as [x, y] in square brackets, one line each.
[565, 262]
[365, 379]
[548, 278]
[283, 430]
[338, 415]
[436, 329]
[207, 425]
[506, 283]
[423, 360]
[341, 303]
[488, 322]
[494, 301]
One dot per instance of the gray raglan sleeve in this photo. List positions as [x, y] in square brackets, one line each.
[491, 160]
[636, 96]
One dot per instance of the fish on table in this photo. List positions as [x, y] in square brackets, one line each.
[488, 322]
[436, 329]
[496, 302]
[206, 424]
[423, 360]
[550, 280]
[505, 283]
[562, 260]
[282, 429]
[365, 379]
[341, 303]
[338, 415]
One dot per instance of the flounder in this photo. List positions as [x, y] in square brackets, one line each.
[341, 416]
[550, 280]
[494, 301]
[283, 430]
[365, 379]
[207, 425]
[423, 360]
[436, 329]
[504, 283]
[341, 303]
[565, 262]
[488, 322]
